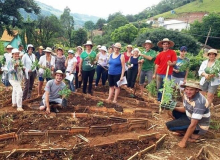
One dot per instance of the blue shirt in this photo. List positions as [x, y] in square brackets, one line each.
[134, 61]
[115, 66]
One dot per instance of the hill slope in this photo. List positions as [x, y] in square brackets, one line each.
[207, 6]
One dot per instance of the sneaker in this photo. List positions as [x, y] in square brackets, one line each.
[54, 110]
[20, 109]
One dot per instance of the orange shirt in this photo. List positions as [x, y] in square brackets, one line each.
[162, 59]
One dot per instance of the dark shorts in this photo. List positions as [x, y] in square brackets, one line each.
[41, 79]
[113, 79]
[42, 103]
[180, 123]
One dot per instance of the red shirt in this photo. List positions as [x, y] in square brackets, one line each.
[126, 57]
[162, 59]
[77, 64]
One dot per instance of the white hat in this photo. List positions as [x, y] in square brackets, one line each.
[88, 43]
[9, 47]
[99, 46]
[148, 42]
[30, 46]
[15, 50]
[212, 51]
[48, 49]
[136, 49]
[71, 51]
[103, 48]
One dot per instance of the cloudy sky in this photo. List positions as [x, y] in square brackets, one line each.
[101, 8]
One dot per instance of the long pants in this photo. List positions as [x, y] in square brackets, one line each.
[77, 82]
[160, 78]
[132, 75]
[100, 71]
[88, 75]
[71, 85]
[28, 85]
[16, 93]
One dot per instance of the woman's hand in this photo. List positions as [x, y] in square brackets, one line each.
[121, 79]
[79, 74]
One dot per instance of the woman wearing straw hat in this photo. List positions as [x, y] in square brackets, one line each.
[7, 57]
[102, 69]
[30, 73]
[15, 78]
[60, 60]
[78, 80]
[210, 82]
[115, 72]
[46, 61]
[164, 59]
[86, 67]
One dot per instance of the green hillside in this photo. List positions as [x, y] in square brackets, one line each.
[206, 6]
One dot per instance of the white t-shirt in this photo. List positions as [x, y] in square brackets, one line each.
[70, 65]
[103, 59]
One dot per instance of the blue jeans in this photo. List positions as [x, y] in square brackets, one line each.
[101, 71]
[71, 85]
[160, 78]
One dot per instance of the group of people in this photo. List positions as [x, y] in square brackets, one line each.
[191, 120]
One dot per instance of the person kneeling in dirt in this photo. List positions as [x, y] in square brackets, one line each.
[193, 119]
[51, 95]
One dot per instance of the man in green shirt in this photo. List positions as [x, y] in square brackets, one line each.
[147, 60]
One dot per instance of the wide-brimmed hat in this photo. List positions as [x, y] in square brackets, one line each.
[41, 47]
[30, 46]
[192, 85]
[59, 72]
[148, 42]
[129, 46]
[79, 47]
[103, 48]
[59, 48]
[9, 47]
[159, 44]
[117, 45]
[99, 46]
[212, 51]
[88, 43]
[71, 51]
[48, 49]
[15, 50]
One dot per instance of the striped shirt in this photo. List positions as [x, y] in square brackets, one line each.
[198, 108]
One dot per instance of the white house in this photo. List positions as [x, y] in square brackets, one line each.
[175, 25]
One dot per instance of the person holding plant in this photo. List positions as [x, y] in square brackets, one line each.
[102, 68]
[146, 60]
[180, 70]
[30, 72]
[87, 66]
[115, 72]
[133, 68]
[60, 61]
[127, 56]
[193, 119]
[164, 59]
[51, 94]
[78, 80]
[15, 74]
[47, 64]
[71, 68]
[210, 72]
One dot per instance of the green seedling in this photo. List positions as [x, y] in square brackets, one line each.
[100, 103]
[47, 73]
[35, 65]
[65, 92]
[2, 60]
[184, 65]
[152, 89]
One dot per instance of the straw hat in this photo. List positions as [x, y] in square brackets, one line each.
[192, 85]
[41, 47]
[103, 48]
[9, 47]
[136, 49]
[212, 51]
[129, 46]
[79, 47]
[60, 72]
[159, 44]
[59, 48]
[88, 43]
[117, 45]
[148, 42]
[48, 49]
[15, 50]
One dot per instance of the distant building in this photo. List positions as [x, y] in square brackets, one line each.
[12, 40]
[175, 25]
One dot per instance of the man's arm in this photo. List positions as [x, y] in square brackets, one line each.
[147, 57]
[180, 109]
[47, 102]
[188, 133]
[155, 71]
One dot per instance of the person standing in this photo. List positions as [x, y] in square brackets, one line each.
[30, 73]
[15, 78]
[133, 68]
[163, 59]
[78, 80]
[147, 60]
[87, 66]
[116, 72]
[102, 69]
[21, 50]
[40, 52]
[60, 61]
[127, 56]
[209, 82]
[178, 75]
[46, 61]
[71, 68]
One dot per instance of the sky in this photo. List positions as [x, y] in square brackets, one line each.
[101, 8]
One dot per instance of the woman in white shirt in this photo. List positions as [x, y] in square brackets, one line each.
[209, 82]
[46, 61]
[102, 69]
[70, 64]
[30, 72]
